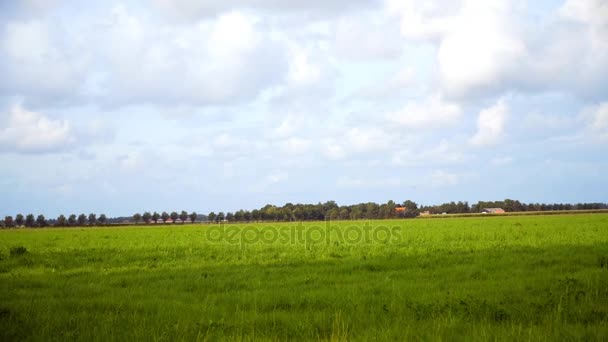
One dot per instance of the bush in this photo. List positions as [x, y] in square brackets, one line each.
[17, 251]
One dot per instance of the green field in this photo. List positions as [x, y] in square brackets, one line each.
[483, 278]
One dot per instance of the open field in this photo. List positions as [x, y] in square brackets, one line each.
[513, 278]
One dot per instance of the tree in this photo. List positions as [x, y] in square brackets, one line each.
[41, 221]
[92, 219]
[61, 220]
[155, 217]
[30, 221]
[147, 217]
[19, 220]
[164, 216]
[410, 205]
[102, 219]
[174, 216]
[8, 221]
[137, 217]
[183, 216]
[229, 216]
[344, 213]
[72, 220]
[82, 219]
[220, 216]
[211, 217]
[193, 216]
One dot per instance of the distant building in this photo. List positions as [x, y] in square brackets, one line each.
[493, 211]
[400, 209]
[425, 213]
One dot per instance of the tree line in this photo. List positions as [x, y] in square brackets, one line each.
[155, 217]
[92, 219]
[299, 212]
[370, 210]
[61, 221]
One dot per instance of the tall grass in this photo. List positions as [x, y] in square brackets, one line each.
[498, 278]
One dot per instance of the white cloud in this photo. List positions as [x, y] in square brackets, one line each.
[490, 124]
[33, 62]
[477, 46]
[430, 113]
[32, 132]
[481, 49]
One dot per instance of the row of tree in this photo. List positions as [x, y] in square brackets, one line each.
[155, 217]
[92, 219]
[61, 221]
[301, 212]
[331, 210]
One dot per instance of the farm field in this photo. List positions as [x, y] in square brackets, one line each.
[538, 278]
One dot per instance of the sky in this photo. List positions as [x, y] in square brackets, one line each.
[118, 107]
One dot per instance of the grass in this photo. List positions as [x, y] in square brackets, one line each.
[539, 278]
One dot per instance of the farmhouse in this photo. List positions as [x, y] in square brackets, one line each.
[493, 211]
[400, 210]
[425, 213]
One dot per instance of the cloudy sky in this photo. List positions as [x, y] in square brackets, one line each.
[124, 106]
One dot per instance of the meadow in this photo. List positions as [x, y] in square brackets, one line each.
[536, 278]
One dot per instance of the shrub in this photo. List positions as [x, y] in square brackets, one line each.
[18, 250]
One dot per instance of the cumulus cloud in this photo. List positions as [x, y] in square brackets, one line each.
[485, 48]
[491, 124]
[35, 63]
[477, 46]
[120, 56]
[31, 132]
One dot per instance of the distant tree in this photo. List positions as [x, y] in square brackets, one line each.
[333, 214]
[137, 218]
[92, 219]
[30, 221]
[344, 214]
[19, 220]
[165, 216]
[174, 216]
[155, 217]
[229, 216]
[220, 216]
[410, 205]
[183, 216]
[82, 219]
[61, 220]
[211, 217]
[8, 221]
[102, 219]
[147, 217]
[72, 220]
[193, 216]
[41, 221]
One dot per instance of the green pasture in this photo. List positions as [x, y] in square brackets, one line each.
[523, 278]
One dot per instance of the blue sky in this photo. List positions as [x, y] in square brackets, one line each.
[126, 106]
